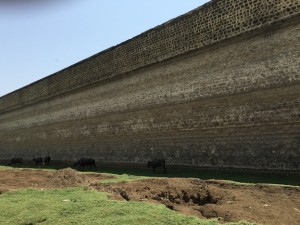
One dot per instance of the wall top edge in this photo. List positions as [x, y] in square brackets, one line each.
[210, 23]
[173, 20]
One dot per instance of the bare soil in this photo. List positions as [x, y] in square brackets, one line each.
[15, 179]
[263, 204]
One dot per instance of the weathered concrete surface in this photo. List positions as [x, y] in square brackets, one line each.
[233, 104]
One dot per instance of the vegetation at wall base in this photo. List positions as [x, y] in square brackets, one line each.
[125, 174]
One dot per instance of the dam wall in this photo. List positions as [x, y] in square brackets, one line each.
[217, 87]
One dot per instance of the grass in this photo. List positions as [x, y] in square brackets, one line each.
[127, 178]
[82, 206]
[122, 178]
[29, 168]
[4, 167]
[126, 174]
[245, 178]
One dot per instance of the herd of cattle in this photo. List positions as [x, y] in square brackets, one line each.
[37, 161]
[83, 162]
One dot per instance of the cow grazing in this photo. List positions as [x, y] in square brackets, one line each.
[47, 160]
[85, 162]
[38, 161]
[157, 163]
[14, 161]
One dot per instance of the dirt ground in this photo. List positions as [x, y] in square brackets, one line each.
[263, 204]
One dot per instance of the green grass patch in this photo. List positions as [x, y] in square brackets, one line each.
[122, 178]
[4, 167]
[253, 184]
[81, 206]
[241, 178]
[28, 168]
[245, 178]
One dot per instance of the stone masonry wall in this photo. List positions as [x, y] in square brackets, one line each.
[213, 22]
[233, 103]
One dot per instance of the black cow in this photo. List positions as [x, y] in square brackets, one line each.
[47, 160]
[157, 163]
[38, 161]
[14, 161]
[85, 162]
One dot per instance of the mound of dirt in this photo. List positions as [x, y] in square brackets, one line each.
[228, 202]
[14, 179]
[67, 178]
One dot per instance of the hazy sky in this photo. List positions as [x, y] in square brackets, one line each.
[38, 40]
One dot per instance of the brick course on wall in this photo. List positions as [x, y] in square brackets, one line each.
[217, 87]
[206, 25]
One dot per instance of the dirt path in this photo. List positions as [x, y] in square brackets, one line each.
[263, 204]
